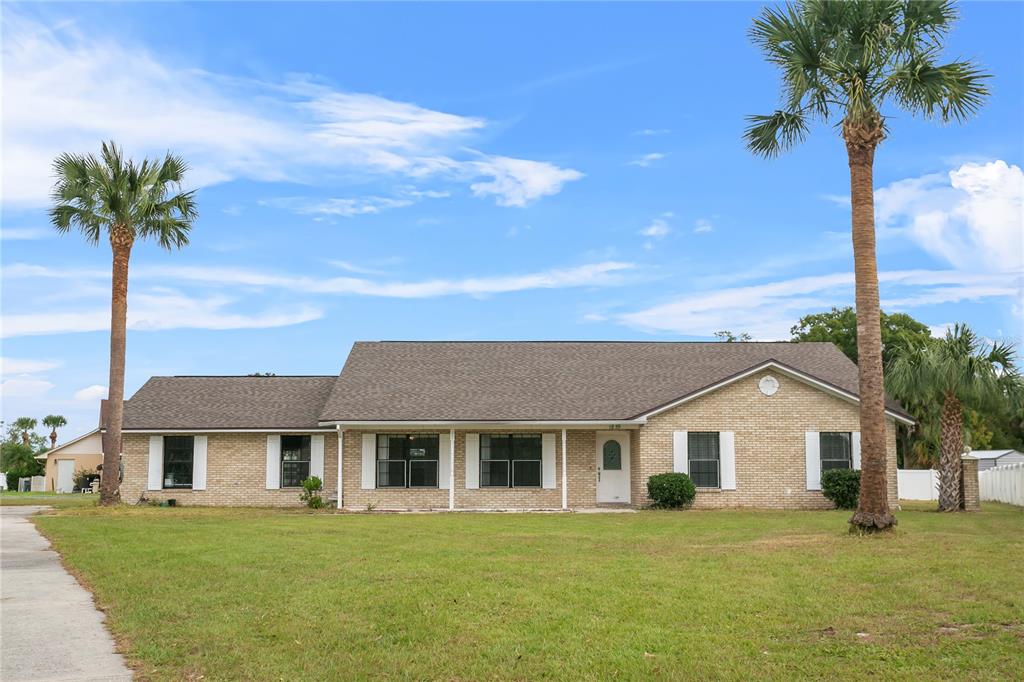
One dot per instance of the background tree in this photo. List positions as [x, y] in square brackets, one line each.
[124, 201]
[17, 459]
[729, 337]
[957, 372]
[25, 425]
[844, 61]
[54, 421]
[839, 325]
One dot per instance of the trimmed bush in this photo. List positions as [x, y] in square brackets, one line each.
[670, 491]
[310, 494]
[842, 486]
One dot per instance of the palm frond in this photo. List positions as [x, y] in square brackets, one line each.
[770, 135]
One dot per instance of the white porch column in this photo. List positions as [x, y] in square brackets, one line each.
[565, 474]
[341, 458]
[451, 473]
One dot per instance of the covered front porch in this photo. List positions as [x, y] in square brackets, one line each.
[484, 466]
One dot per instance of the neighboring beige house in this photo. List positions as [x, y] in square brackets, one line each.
[508, 425]
[84, 453]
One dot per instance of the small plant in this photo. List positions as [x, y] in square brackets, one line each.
[84, 478]
[310, 494]
[671, 491]
[842, 486]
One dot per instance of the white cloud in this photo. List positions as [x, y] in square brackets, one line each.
[69, 87]
[92, 393]
[346, 208]
[702, 226]
[657, 228]
[167, 309]
[646, 160]
[650, 132]
[348, 266]
[971, 217]
[768, 310]
[518, 182]
[25, 233]
[595, 274]
[156, 311]
[23, 387]
[10, 366]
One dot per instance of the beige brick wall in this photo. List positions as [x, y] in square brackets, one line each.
[770, 461]
[581, 473]
[236, 472]
[970, 487]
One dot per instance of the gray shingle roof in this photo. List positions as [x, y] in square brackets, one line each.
[485, 381]
[233, 402]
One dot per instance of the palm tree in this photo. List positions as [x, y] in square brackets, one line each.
[845, 61]
[115, 197]
[959, 370]
[54, 421]
[26, 425]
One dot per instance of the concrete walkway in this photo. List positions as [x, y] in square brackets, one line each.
[49, 627]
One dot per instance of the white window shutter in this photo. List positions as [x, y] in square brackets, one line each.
[444, 461]
[316, 457]
[856, 449]
[156, 463]
[680, 460]
[273, 462]
[548, 460]
[472, 460]
[199, 444]
[812, 447]
[727, 460]
[369, 481]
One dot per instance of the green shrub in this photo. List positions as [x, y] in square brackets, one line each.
[842, 486]
[310, 494]
[670, 491]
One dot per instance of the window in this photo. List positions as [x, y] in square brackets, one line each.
[178, 461]
[407, 460]
[295, 452]
[510, 460]
[836, 450]
[612, 456]
[702, 452]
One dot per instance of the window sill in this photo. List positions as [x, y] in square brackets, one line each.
[709, 490]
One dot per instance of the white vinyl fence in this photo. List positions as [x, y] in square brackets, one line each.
[917, 484]
[1003, 484]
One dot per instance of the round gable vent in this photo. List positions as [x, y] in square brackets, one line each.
[768, 385]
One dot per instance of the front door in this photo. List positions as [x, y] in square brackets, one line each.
[613, 466]
[65, 475]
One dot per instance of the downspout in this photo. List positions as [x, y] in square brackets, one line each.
[341, 459]
[451, 473]
[565, 475]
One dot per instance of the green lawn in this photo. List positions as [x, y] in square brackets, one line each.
[259, 594]
[11, 499]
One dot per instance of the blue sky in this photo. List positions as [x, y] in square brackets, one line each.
[473, 171]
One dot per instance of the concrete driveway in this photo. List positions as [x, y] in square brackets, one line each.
[49, 627]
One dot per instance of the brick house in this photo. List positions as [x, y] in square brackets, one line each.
[508, 425]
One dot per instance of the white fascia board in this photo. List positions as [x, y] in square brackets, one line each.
[788, 371]
[580, 424]
[201, 430]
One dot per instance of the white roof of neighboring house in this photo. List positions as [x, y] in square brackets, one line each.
[991, 454]
[44, 455]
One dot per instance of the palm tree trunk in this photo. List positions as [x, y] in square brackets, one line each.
[121, 244]
[873, 505]
[951, 447]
